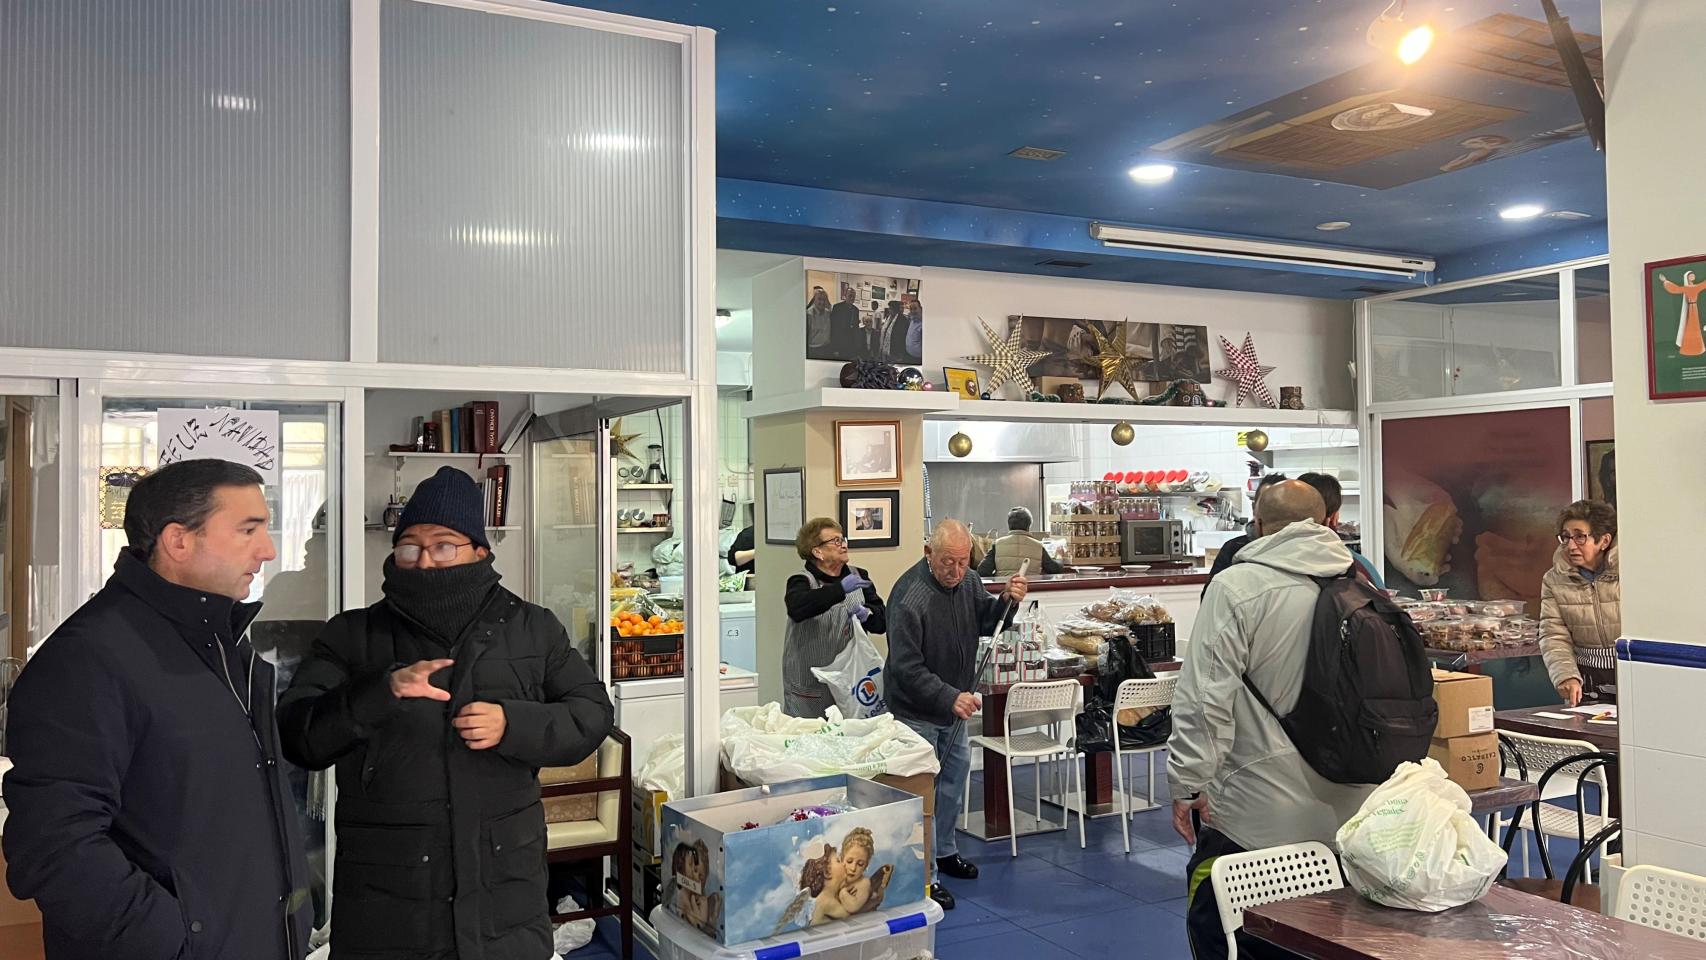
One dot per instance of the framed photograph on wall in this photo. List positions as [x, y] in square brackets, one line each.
[867, 452]
[963, 381]
[1601, 466]
[1676, 344]
[870, 518]
[784, 504]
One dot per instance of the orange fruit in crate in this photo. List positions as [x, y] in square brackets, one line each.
[654, 620]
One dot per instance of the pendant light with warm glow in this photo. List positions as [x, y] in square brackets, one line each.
[1409, 41]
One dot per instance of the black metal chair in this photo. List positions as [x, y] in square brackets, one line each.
[1577, 766]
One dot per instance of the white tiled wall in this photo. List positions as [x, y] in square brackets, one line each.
[1664, 769]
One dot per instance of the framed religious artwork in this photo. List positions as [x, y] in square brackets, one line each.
[1676, 345]
[867, 452]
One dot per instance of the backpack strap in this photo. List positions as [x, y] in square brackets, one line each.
[1251, 686]
[1352, 573]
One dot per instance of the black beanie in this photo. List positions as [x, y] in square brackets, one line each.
[448, 498]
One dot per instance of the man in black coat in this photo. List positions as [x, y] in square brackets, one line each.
[149, 815]
[438, 704]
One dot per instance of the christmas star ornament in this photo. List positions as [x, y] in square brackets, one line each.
[1247, 371]
[619, 442]
[1118, 365]
[1007, 360]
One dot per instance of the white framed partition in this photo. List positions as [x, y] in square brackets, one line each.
[1568, 393]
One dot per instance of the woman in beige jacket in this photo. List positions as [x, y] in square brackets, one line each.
[1580, 617]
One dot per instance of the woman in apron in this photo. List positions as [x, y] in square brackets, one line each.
[824, 601]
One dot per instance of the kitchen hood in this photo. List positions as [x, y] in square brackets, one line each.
[998, 442]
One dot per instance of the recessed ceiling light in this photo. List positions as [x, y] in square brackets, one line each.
[1522, 211]
[1151, 172]
[1333, 225]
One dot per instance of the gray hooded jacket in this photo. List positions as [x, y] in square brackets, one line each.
[1256, 618]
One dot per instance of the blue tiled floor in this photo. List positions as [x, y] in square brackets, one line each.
[1057, 902]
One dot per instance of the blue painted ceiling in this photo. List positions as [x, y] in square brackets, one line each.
[922, 100]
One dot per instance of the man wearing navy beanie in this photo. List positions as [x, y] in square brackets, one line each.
[438, 704]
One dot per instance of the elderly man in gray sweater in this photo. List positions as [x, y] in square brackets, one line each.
[937, 612]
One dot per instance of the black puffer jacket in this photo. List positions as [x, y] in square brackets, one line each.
[441, 849]
[149, 816]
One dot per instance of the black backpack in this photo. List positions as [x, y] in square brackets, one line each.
[1367, 701]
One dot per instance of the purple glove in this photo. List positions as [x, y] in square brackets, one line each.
[853, 583]
[859, 612]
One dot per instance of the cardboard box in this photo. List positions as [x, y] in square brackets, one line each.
[647, 814]
[1465, 704]
[1470, 762]
[922, 785]
[735, 884]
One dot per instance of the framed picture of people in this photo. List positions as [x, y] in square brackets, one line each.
[852, 316]
[1676, 344]
[867, 452]
[870, 518]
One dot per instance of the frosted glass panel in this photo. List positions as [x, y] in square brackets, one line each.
[174, 177]
[531, 204]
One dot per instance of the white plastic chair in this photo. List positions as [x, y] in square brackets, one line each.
[1244, 880]
[1046, 716]
[1138, 694]
[1540, 754]
[1667, 900]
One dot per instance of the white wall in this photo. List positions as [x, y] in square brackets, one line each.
[1652, 71]
[1307, 341]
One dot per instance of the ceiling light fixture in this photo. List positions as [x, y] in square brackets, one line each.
[1409, 41]
[1522, 211]
[1152, 172]
[1331, 225]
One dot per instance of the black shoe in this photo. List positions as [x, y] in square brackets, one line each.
[943, 898]
[957, 867]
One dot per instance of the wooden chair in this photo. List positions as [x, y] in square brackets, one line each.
[611, 834]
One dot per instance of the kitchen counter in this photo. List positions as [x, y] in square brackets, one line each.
[1102, 580]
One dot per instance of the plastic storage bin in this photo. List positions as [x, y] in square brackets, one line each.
[903, 933]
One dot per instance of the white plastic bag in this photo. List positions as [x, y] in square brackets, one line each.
[665, 767]
[569, 937]
[855, 677]
[1414, 845]
[765, 745]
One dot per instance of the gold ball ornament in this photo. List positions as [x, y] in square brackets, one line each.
[1256, 441]
[959, 445]
[1122, 433]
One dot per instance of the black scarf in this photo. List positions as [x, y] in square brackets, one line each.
[442, 600]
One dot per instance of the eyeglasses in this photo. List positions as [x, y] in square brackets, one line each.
[1576, 538]
[443, 552]
[833, 542]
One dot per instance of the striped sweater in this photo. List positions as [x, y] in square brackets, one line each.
[933, 633]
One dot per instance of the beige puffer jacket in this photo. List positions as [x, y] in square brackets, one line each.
[1579, 620]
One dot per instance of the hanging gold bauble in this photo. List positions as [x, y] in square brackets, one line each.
[1256, 441]
[959, 445]
[1122, 433]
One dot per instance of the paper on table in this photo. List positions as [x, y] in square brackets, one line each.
[1553, 716]
[1610, 709]
[1609, 723]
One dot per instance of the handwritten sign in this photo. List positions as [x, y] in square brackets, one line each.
[248, 437]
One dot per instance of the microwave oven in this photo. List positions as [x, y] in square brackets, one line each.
[1152, 541]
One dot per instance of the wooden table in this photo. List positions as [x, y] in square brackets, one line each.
[1505, 923]
[992, 823]
[1603, 736]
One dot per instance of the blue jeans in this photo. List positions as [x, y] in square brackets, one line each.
[953, 752]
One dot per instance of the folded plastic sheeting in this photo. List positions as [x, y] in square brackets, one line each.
[763, 745]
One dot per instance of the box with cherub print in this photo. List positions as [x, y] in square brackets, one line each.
[755, 863]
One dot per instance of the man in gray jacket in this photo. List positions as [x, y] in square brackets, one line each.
[1229, 763]
[937, 612]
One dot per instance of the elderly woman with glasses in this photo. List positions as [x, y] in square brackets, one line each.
[1580, 617]
[824, 601]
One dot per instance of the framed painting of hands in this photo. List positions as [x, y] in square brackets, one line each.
[1676, 343]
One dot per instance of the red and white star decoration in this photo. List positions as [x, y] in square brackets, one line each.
[1246, 371]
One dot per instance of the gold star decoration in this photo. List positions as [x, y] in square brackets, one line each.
[619, 442]
[1007, 360]
[1118, 366]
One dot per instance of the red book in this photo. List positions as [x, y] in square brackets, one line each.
[499, 476]
[490, 444]
[477, 414]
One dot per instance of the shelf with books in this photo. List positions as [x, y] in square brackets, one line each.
[434, 455]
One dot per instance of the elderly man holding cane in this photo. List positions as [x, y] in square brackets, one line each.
[936, 614]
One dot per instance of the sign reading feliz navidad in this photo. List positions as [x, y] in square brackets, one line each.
[248, 437]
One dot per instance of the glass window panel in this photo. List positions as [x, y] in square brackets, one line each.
[567, 249]
[175, 177]
[1411, 347]
[1593, 325]
[1491, 338]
